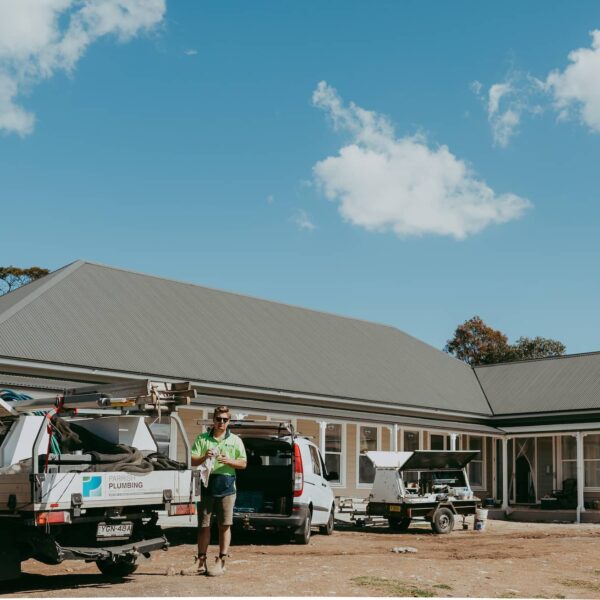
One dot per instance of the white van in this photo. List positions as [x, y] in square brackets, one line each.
[285, 485]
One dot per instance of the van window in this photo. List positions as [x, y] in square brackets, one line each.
[316, 462]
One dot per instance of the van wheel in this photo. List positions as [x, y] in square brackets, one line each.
[304, 536]
[116, 569]
[399, 524]
[443, 521]
[328, 529]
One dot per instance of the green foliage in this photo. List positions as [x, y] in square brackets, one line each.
[476, 343]
[393, 587]
[12, 278]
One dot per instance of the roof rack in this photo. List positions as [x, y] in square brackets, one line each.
[128, 396]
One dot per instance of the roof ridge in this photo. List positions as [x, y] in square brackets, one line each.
[52, 279]
[533, 360]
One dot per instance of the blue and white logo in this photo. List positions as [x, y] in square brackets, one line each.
[92, 486]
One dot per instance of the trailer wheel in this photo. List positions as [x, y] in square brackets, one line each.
[116, 569]
[399, 524]
[328, 529]
[442, 521]
[304, 536]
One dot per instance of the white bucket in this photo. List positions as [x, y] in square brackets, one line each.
[480, 519]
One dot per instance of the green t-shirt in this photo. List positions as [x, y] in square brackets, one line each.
[230, 445]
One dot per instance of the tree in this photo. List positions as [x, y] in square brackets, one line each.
[12, 278]
[537, 347]
[476, 343]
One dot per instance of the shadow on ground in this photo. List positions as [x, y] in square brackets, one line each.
[39, 584]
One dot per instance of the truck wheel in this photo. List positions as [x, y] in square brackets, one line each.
[328, 529]
[399, 524]
[116, 569]
[304, 536]
[443, 521]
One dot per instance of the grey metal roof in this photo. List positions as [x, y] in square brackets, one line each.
[96, 316]
[546, 385]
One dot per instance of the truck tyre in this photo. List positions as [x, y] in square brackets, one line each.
[328, 529]
[116, 569]
[399, 524]
[442, 521]
[304, 536]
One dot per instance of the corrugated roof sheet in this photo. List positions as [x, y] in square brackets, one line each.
[97, 316]
[545, 385]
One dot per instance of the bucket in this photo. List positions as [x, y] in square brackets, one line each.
[480, 519]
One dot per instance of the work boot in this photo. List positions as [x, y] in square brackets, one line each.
[197, 569]
[219, 566]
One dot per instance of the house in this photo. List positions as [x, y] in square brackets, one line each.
[350, 384]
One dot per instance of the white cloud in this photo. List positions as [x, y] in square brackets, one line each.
[191, 52]
[40, 37]
[386, 183]
[576, 90]
[302, 220]
[476, 87]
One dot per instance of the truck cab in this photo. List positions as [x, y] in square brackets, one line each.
[87, 483]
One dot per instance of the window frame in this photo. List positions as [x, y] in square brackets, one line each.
[358, 453]
[590, 488]
[342, 454]
[482, 460]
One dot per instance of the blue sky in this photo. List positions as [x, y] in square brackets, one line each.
[187, 143]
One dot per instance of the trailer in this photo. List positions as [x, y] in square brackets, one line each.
[431, 485]
[82, 477]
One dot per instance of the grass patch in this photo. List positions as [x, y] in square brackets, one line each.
[442, 586]
[580, 583]
[393, 587]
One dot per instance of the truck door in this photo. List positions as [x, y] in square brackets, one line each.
[321, 490]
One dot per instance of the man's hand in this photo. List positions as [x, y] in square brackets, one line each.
[231, 462]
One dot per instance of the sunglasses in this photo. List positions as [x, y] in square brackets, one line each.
[221, 419]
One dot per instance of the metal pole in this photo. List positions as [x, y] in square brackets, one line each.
[505, 474]
[395, 437]
[322, 433]
[580, 475]
[453, 438]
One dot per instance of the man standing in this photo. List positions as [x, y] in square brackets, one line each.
[227, 452]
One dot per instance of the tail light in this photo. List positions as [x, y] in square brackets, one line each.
[50, 518]
[298, 472]
[182, 509]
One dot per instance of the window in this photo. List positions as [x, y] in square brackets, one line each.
[569, 457]
[591, 460]
[367, 442]
[437, 442]
[411, 441]
[314, 458]
[475, 467]
[333, 450]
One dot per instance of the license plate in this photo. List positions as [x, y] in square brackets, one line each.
[116, 530]
[394, 508]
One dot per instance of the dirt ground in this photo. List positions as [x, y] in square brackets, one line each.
[506, 560]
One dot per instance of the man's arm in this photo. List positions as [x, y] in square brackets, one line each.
[236, 463]
[197, 459]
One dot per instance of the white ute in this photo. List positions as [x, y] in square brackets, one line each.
[81, 476]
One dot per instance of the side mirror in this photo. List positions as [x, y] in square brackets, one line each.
[332, 476]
